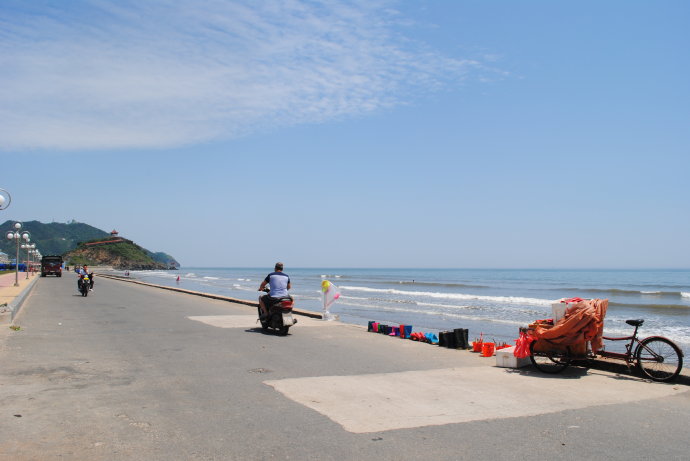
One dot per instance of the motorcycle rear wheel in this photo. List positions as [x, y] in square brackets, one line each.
[264, 323]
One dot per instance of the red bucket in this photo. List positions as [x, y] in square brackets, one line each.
[488, 349]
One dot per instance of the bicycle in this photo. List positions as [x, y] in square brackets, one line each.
[656, 357]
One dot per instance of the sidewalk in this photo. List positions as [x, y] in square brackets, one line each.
[11, 297]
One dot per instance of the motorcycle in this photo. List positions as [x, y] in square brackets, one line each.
[279, 315]
[84, 284]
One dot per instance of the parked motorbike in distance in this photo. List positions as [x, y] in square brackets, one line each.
[279, 315]
[84, 285]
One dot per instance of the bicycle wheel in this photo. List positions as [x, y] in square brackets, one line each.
[548, 362]
[659, 359]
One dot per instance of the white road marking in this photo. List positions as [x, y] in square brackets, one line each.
[382, 402]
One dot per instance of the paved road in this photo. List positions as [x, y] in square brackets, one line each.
[136, 373]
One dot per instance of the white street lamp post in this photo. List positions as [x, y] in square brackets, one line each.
[37, 259]
[16, 236]
[34, 259]
[28, 247]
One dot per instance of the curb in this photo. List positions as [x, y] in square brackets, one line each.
[15, 305]
[618, 367]
[205, 295]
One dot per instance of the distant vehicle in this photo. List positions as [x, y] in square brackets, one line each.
[51, 265]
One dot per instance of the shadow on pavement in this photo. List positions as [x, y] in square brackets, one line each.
[583, 368]
[265, 332]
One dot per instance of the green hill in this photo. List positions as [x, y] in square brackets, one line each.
[77, 243]
[117, 252]
[53, 238]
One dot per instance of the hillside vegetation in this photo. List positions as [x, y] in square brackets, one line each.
[52, 238]
[119, 253]
[80, 243]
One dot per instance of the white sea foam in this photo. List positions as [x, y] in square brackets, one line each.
[460, 296]
[491, 310]
[243, 288]
[211, 278]
[152, 273]
[683, 294]
[191, 274]
[454, 315]
[678, 334]
[650, 292]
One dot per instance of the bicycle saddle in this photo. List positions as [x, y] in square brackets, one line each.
[635, 323]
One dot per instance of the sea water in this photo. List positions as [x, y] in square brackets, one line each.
[492, 302]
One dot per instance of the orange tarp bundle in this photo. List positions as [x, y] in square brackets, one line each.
[583, 321]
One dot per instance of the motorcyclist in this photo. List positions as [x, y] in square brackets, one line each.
[279, 283]
[81, 273]
[84, 272]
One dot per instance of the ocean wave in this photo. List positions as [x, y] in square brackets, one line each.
[354, 297]
[417, 311]
[428, 308]
[684, 294]
[449, 315]
[239, 287]
[441, 284]
[649, 306]
[452, 306]
[620, 291]
[616, 327]
[459, 296]
[491, 310]
[165, 274]
[298, 297]
[211, 278]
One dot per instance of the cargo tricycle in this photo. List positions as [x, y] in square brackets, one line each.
[656, 357]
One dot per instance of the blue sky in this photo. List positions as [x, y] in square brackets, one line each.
[356, 133]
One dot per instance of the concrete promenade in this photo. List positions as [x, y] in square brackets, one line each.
[136, 373]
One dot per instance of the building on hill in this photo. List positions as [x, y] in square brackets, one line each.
[4, 259]
[114, 233]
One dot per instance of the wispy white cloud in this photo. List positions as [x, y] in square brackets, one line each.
[102, 75]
